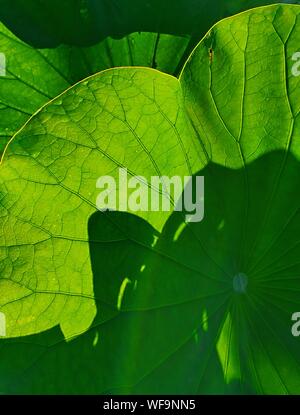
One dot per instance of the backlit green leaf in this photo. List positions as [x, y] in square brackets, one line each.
[166, 306]
[68, 40]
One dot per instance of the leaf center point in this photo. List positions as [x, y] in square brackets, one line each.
[240, 283]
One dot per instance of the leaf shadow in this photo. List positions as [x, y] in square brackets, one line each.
[171, 318]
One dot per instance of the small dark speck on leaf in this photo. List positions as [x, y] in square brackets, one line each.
[211, 55]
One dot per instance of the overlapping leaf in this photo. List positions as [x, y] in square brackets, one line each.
[66, 41]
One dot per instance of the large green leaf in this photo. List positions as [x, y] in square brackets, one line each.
[35, 76]
[100, 34]
[181, 307]
[82, 135]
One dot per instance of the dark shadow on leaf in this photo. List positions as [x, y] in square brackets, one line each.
[202, 308]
